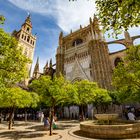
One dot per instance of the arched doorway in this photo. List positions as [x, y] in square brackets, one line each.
[117, 61]
[76, 79]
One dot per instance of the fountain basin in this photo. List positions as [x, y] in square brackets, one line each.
[122, 130]
[106, 117]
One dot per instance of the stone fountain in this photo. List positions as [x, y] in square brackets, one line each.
[109, 126]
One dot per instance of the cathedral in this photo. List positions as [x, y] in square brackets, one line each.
[84, 54]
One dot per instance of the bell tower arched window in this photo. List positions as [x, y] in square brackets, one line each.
[28, 29]
[28, 39]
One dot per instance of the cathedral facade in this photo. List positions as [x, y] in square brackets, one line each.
[84, 54]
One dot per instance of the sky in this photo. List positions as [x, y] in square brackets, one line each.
[49, 18]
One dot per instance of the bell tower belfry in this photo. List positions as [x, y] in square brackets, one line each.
[26, 40]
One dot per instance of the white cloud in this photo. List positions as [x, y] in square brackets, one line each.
[68, 15]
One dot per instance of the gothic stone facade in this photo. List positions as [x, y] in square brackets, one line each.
[84, 54]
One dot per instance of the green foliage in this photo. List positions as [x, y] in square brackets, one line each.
[126, 77]
[52, 92]
[115, 97]
[2, 19]
[102, 97]
[16, 97]
[118, 15]
[13, 64]
[85, 92]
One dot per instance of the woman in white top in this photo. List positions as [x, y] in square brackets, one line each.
[131, 116]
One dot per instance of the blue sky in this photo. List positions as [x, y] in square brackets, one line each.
[49, 17]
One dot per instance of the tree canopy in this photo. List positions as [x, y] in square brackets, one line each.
[85, 92]
[13, 64]
[2, 19]
[102, 98]
[126, 77]
[118, 15]
[15, 97]
[13, 69]
[88, 92]
[52, 92]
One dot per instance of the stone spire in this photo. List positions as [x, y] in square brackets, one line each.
[28, 21]
[91, 26]
[127, 35]
[60, 55]
[128, 39]
[50, 63]
[36, 69]
[90, 20]
[60, 38]
[45, 67]
[96, 23]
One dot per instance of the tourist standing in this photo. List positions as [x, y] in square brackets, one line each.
[131, 116]
[46, 123]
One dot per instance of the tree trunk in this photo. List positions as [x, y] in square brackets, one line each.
[82, 112]
[11, 117]
[0, 115]
[51, 118]
[97, 110]
[25, 115]
[69, 112]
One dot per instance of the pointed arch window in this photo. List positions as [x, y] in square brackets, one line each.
[77, 42]
[28, 39]
[28, 29]
[117, 61]
[22, 36]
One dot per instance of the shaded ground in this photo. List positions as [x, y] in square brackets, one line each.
[67, 130]
[36, 131]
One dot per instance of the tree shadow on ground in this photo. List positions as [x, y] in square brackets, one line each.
[65, 126]
[59, 127]
[37, 128]
[69, 121]
[23, 124]
[16, 135]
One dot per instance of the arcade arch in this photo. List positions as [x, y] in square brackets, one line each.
[116, 47]
[136, 41]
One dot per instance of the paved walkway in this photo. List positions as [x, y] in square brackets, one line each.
[35, 131]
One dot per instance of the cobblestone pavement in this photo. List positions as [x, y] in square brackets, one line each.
[35, 131]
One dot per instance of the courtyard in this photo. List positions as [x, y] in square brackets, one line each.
[67, 130]
[35, 131]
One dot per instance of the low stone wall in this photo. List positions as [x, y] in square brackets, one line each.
[92, 129]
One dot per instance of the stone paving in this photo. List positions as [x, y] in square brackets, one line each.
[35, 131]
